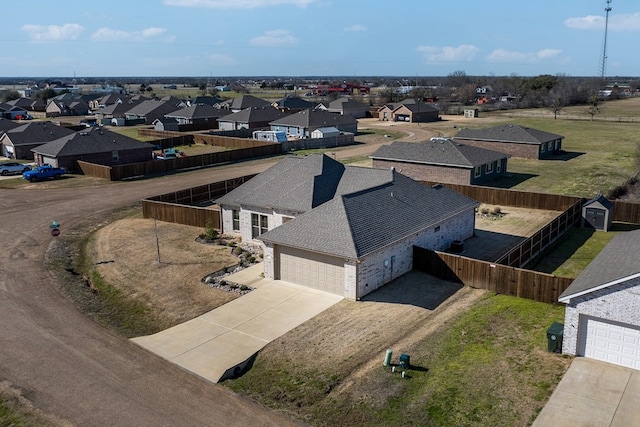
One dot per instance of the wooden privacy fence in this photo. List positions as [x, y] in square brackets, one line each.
[534, 245]
[493, 277]
[181, 214]
[178, 206]
[626, 212]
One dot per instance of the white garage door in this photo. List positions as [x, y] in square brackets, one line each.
[612, 342]
[317, 271]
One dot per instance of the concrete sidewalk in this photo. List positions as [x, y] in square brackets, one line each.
[593, 393]
[221, 343]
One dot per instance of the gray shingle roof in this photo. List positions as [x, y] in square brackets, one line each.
[295, 183]
[198, 111]
[92, 141]
[245, 101]
[439, 151]
[294, 102]
[314, 119]
[617, 261]
[254, 115]
[508, 133]
[37, 132]
[385, 208]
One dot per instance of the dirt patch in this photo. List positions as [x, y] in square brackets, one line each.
[125, 254]
[522, 222]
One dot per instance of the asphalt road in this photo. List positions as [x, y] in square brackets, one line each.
[69, 366]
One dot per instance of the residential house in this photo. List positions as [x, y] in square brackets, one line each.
[442, 160]
[292, 104]
[66, 106]
[409, 110]
[116, 111]
[602, 320]
[208, 100]
[346, 106]
[243, 102]
[107, 100]
[37, 106]
[342, 229]
[12, 112]
[18, 142]
[250, 118]
[95, 145]
[198, 114]
[147, 111]
[515, 140]
[303, 123]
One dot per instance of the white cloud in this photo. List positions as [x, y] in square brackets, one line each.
[237, 4]
[355, 28]
[503, 55]
[53, 32]
[464, 52]
[220, 59]
[109, 34]
[275, 38]
[619, 22]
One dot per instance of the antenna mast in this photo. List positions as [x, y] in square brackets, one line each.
[603, 65]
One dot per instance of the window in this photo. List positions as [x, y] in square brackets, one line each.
[477, 171]
[236, 220]
[259, 225]
[490, 167]
[499, 166]
[550, 146]
[543, 147]
[115, 157]
[437, 229]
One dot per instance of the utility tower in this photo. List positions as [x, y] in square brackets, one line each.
[603, 65]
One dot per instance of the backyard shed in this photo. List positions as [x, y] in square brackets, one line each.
[325, 132]
[597, 214]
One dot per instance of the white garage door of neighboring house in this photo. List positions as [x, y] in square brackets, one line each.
[611, 342]
[317, 271]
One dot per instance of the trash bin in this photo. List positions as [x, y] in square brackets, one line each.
[554, 337]
[404, 361]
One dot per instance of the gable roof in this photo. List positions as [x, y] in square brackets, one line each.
[6, 124]
[296, 183]
[379, 207]
[314, 119]
[599, 200]
[245, 101]
[618, 262]
[508, 133]
[346, 103]
[155, 106]
[293, 102]
[93, 140]
[438, 151]
[254, 115]
[198, 111]
[36, 133]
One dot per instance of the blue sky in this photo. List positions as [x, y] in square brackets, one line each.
[41, 38]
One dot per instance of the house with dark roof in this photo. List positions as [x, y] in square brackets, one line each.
[515, 140]
[409, 110]
[346, 106]
[66, 106]
[106, 114]
[148, 111]
[242, 102]
[250, 118]
[342, 229]
[207, 100]
[292, 104]
[29, 104]
[11, 112]
[18, 142]
[198, 114]
[442, 160]
[95, 145]
[602, 319]
[303, 123]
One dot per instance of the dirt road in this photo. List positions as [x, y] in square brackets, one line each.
[66, 364]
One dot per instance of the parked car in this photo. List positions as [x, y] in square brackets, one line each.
[43, 172]
[8, 168]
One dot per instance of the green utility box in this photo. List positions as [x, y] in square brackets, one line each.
[404, 361]
[554, 337]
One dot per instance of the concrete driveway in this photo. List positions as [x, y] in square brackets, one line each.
[594, 394]
[221, 343]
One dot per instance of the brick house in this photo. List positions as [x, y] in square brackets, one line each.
[409, 110]
[341, 229]
[442, 160]
[17, 142]
[515, 140]
[602, 320]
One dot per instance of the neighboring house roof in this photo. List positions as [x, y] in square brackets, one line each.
[36, 132]
[198, 111]
[411, 104]
[438, 151]
[508, 133]
[618, 262]
[599, 200]
[6, 125]
[346, 103]
[377, 208]
[245, 101]
[155, 106]
[254, 115]
[118, 110]
[296, 183]
[314, 119]
[28, 104]
[112, 98]
[293, 103]
[92, 141]
[208, 100]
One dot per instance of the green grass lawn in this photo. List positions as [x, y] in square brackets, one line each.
[488, 367]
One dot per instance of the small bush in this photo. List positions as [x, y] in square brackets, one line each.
[485, 211]
[497, 210]
[209, 233]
